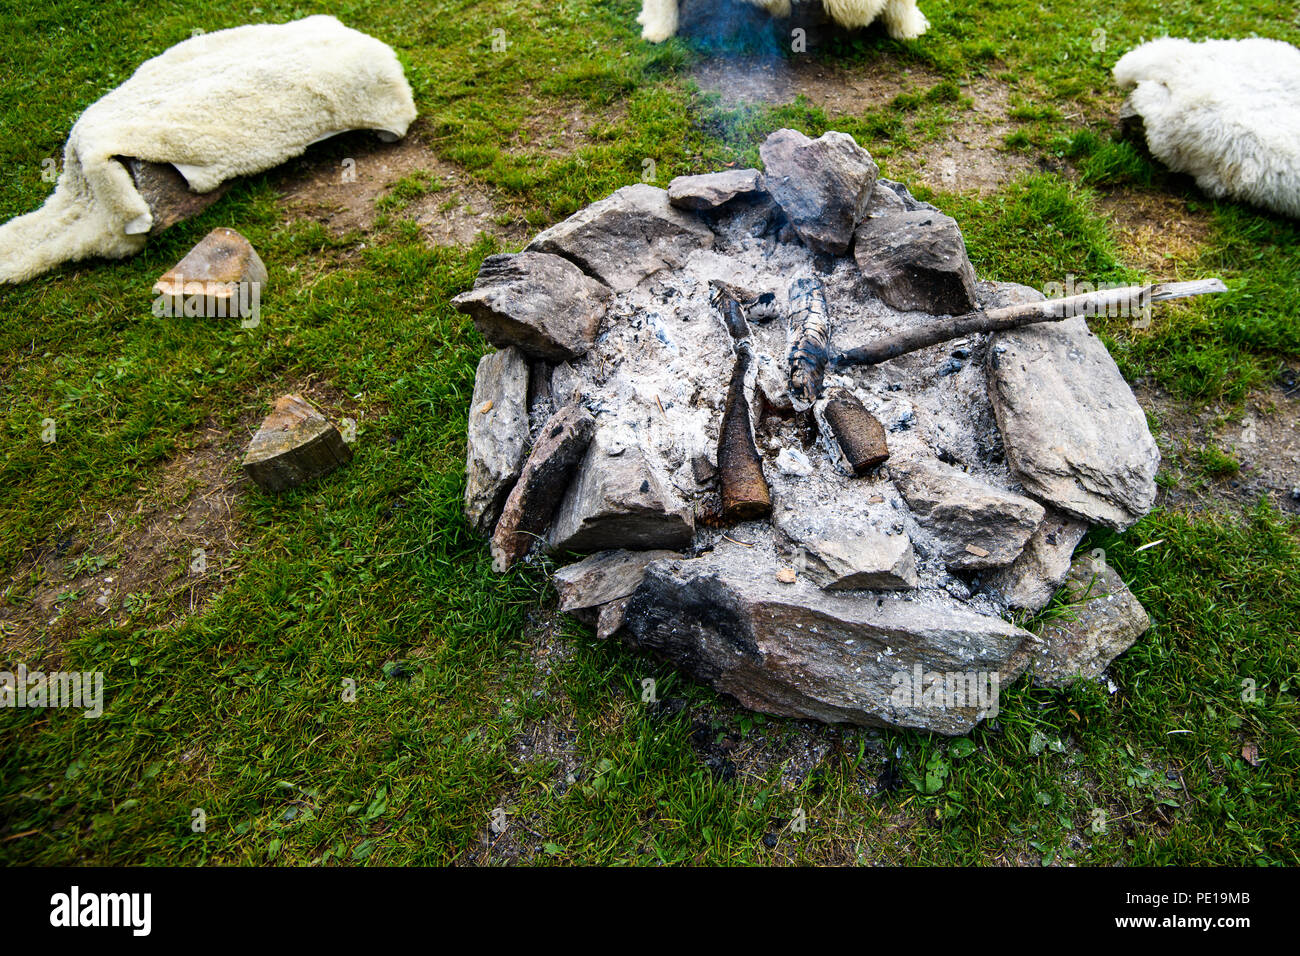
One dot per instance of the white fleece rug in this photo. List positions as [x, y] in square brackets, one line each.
[1225, 111]
[219, 105]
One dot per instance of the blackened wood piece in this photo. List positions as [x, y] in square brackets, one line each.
[745, 494]
[860, 435]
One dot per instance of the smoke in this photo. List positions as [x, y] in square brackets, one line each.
[736, 28]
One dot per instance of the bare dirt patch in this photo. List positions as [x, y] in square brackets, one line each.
[339, 182]
[1158, 233]
[1263, 437]
[156, 559]
[838, 91]
[559, 130]
[159, 558]
[970, 156]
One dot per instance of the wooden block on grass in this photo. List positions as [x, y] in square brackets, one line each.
[295, 444]
[222, 276]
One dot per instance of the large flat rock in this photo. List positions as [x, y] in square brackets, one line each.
[540, 303]
[868, 560]
[625, 237]
[1073, 432]
[838, 548]
[711, 190]
[799, 651]
[823, 186]
[497, 435]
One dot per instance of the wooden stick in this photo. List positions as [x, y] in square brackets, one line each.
[745, 493]
[1135, 298]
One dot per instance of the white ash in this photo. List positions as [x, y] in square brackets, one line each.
[658, 376]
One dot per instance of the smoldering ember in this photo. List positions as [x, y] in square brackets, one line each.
[740, 418]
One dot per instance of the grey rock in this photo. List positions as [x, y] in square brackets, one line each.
[610, 618]
[625, 237]
[1029, 582]
[543, 304]
[498, 435]
[604, 577]
[558, 450]
[915, 259]
[714, 189]
[799, 651]
[1073, 432]
[868, 559]
[890, 197]
[619, 501]
[837, 541]
[823, 186]
[1103, 621]
[977, 525]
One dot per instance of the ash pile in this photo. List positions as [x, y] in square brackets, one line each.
[666, 419]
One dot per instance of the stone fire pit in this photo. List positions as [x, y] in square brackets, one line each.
[878, 598]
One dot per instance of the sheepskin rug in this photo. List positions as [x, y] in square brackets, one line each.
[219, 105]
[1225, 111]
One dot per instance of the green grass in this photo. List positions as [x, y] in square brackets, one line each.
[369, 577]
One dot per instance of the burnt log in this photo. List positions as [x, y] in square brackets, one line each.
[810, 318]
[745, 493]
[859, 433]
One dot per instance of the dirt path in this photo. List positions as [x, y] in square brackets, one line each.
[160, 557]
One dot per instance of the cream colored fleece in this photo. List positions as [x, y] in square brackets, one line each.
[1225, 111]
[219, 105]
